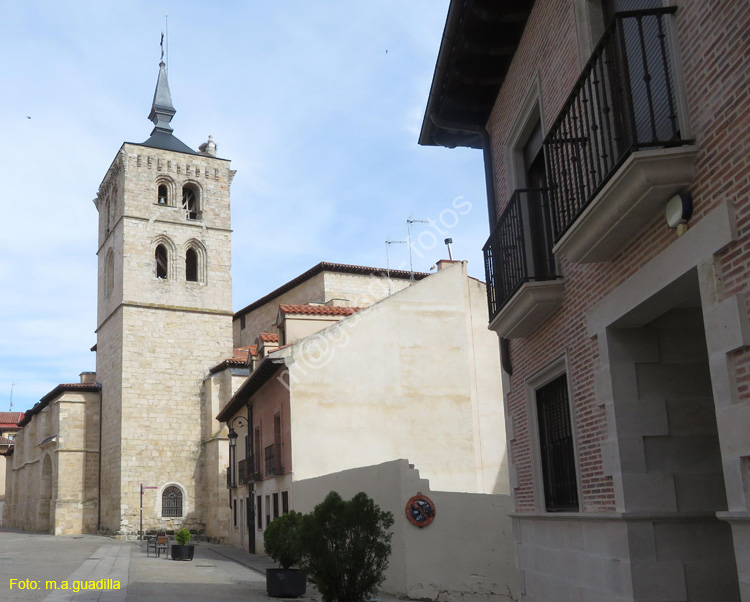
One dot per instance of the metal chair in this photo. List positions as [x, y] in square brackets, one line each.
[158, 543]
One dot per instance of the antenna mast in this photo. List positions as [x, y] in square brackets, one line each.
[388, 243]
[11, 396]
[409, 222]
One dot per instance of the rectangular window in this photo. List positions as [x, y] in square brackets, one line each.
[259, 513]
[285, 502]
[556, 446]
[276, 505]
[242, 322]
[249, 508]
[234, 510]
[268, 510]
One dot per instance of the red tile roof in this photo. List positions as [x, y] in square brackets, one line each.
[239, 357]
[269, 337]
[10, 419]
[319, 310]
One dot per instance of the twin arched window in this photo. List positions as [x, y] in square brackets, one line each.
[171, 502]
[195, 262]
[191, 197]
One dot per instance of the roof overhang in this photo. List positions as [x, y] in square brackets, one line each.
[479, 41]
[265, 370]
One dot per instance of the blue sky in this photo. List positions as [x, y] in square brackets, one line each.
[317, 104]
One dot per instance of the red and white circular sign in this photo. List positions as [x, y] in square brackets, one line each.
[420, 510]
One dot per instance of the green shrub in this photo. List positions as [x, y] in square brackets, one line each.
[346, 545]
[183, 537]
[282, 539]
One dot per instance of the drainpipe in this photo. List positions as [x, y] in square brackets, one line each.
[489, 182]
[99, 487]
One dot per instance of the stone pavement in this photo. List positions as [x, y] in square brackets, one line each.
[217, 573]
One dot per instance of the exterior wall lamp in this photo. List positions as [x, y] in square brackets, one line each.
[232, 436]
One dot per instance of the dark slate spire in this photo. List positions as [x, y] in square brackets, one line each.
[162, 109]
[161, 114]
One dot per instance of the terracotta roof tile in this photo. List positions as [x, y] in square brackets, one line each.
[239, 357]
[319, 310]
[269, 337]
[10, 418]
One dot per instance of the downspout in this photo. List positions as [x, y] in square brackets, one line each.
[250, 512]
[99, 486]
[489, 182]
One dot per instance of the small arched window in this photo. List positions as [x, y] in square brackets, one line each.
[171, 502]
[163, 195]
[191, 265]
[162, 261]
[191, 202]
[109, 273]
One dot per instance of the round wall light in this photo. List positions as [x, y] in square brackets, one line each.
[679, 209]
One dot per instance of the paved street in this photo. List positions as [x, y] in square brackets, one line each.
[217, 573]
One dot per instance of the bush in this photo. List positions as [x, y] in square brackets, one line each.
[346, 545]
[282, 539]
[183, 537]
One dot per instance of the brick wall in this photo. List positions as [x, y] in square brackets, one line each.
[714, 41]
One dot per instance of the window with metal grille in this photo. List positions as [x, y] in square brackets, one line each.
[171, 502]
[556, 447]
[259, 511]
[276, 505]
[285, 502]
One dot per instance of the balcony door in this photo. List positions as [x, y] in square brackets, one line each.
[645, 74]
[535, 174]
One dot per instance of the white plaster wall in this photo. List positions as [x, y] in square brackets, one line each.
[465, 554]
[397, 380]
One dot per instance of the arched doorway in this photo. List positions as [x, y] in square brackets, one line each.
[44, 524]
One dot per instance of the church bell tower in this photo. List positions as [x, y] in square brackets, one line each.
[164, 317]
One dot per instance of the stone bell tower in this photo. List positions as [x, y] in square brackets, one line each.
[164, 317]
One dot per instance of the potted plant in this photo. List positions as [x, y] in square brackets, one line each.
[346, 545]
[282, 543]
[181, 550]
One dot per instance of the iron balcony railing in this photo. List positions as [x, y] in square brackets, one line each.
[273, 459]
[624, 100]
[519, 249]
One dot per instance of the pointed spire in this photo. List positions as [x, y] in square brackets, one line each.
[162, 109]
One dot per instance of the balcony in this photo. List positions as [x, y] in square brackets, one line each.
[273, 459]
[523, 286]
[617, 153]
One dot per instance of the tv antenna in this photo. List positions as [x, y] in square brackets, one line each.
[388, 244]
[409, 222]
[11, 396]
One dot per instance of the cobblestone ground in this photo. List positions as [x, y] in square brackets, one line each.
[41, 562]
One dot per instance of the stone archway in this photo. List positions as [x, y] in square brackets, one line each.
[43, 523]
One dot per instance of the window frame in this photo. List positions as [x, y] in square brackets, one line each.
[179, 490]
[553, 370]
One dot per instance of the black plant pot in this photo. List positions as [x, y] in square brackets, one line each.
[285, 583]
[182, 552]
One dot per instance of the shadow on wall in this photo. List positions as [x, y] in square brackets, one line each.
[466, 553]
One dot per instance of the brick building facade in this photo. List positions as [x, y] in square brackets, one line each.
[625, 343]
